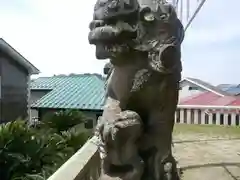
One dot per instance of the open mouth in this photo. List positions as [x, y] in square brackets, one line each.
[117, 33]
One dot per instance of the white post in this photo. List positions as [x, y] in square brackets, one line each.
[218, 114]
[175, 116]
[210, 118]
[181, 115]
[225, 119]
[195, 116]
[29, 98]
[233, 119]
[189, 120]
[202, 116]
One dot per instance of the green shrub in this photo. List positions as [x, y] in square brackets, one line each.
[75, 137]
[63, 120]
[24, 151]
[31, 153]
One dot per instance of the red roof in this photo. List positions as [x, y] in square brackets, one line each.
[211, 99]
[235, 102]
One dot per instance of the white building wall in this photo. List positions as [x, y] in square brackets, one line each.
[188, 89]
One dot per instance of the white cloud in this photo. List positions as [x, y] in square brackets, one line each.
[52, 34]
[212, 35]
[217, 21]
[55, 38]
[211, 46]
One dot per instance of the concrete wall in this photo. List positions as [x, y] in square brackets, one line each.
[14, 89]
[34, 96]
[189, 89]
[93, 115]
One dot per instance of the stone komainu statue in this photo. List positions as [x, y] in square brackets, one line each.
[142, 39]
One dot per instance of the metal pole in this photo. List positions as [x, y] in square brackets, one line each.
[195, 13]
[188, 9]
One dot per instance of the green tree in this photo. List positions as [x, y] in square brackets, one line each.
[24, 151]
[63, 120]
[28, 152]
[75, 137]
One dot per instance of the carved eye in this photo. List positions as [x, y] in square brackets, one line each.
[149, 16]
[114, 4]
[102, 2]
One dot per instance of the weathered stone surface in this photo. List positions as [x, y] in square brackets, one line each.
[142, 39]
[204, 157]
[206, 174]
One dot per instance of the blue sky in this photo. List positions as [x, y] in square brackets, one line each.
[52, 34]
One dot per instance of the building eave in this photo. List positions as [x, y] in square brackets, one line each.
[204, 87]
[16, 56]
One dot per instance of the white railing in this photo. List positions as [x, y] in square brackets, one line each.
[219, 115]
[83, 165]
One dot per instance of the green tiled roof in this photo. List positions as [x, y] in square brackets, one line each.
[84, 91]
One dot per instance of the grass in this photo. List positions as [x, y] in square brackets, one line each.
[207, 130]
